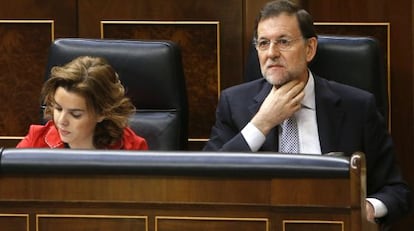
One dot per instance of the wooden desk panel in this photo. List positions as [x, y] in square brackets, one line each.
[171, 203]
[156, 202]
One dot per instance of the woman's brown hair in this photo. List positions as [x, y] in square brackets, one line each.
[95, 80]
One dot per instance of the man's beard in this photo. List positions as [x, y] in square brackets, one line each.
[278, 81]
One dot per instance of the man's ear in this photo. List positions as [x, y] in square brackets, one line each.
[311, 45]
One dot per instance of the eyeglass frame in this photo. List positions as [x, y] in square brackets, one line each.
[276, 42]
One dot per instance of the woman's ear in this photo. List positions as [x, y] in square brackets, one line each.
[100, 119]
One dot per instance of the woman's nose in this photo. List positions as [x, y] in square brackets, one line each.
[62, 119]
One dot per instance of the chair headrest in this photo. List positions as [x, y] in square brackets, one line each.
[151, 71]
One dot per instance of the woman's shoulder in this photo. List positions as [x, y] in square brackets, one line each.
[132, 141]
[39, 128]
[36, 137]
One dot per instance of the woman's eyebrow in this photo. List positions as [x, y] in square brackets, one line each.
[71, 109]
[76, 110]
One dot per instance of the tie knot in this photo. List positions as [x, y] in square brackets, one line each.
[291, 121]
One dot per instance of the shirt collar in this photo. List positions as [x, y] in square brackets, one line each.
[309, 98]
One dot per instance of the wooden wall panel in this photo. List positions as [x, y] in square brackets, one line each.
[27, 28]
[14, 222]
[23, 46]
[63, 12]
[199, 42]
[251, 10]
[203, 81]
[52, 222]
[211, 223]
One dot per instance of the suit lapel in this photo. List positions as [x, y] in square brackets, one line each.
[329, 115]
[270, 143]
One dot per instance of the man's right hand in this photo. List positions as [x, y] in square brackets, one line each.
[280, 104]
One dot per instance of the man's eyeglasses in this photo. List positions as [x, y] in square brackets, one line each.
[282, 44]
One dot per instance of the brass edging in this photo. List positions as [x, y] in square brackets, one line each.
[17, 215]
[11, 137]
[266, 220]
[198, 139]
[52, 24]
[39, 216]
[312, 222]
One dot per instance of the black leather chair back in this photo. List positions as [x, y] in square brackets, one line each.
[354, 61]
[152, 74]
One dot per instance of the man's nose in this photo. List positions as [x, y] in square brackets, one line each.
[274, 50]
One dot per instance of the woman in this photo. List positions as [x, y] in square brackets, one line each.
[86, 108]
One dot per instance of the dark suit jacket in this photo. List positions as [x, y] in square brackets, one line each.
[348, 121]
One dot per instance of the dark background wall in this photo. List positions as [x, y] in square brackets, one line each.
[214, 36]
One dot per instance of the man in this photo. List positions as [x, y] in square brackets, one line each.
[331, 117]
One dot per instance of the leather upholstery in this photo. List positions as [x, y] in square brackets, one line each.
[152, 74]
[68, 161]
[354, 61]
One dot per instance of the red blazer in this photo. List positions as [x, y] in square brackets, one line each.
[47, 136]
